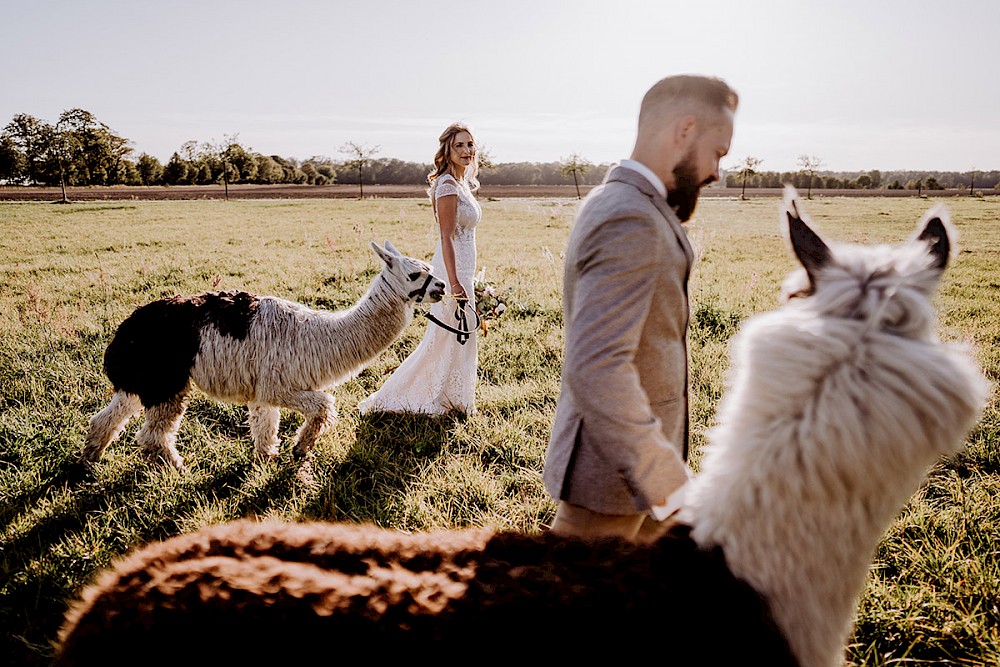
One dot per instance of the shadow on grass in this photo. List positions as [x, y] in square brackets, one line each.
[366, 484]
[42, 565]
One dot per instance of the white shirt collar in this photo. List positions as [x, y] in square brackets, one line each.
[647, 173]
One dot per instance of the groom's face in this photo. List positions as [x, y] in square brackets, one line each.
[699, 166]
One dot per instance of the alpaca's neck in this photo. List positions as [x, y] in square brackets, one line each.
[346, 341]
[823, 435]
[383, 314]
[806, 551]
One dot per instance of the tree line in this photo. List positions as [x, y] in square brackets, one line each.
[874, 180]
[747, 174]
[80, 150]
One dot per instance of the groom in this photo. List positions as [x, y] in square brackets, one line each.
[617, 454]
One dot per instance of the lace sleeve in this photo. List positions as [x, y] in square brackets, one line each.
[446, 186]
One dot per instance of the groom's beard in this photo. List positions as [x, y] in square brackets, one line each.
[683, 197]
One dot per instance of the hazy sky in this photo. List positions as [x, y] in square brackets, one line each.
[860, 84]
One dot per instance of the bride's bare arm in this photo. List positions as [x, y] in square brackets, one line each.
[447, 206]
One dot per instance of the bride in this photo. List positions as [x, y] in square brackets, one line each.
[439, 377]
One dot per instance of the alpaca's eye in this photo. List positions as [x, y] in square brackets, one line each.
[414, 275]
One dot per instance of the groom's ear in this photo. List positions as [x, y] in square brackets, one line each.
[685, 129]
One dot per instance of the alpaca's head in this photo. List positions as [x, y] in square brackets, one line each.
[412, 279]
[888, 286]
[836, 406]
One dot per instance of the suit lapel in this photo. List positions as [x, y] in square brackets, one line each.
[626, 175]
[676, 226]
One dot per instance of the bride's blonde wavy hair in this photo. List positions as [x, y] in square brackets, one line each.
[441, 161]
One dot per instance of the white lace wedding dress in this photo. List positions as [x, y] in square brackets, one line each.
[439, 377]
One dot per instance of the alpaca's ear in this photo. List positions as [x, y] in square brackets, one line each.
[386, 256]
[810, 249]
[391, 248]
[934, 232]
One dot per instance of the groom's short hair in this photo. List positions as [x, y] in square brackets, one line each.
[688, 93]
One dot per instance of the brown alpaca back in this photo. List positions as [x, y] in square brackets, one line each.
[250, 591]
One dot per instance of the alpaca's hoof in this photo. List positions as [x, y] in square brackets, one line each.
[88, 458]
[300, 453]
[171, 460]
[92, 452]
[265, 455]
[177, 465]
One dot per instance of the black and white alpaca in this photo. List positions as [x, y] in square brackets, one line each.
[262, 351]
[837, 404]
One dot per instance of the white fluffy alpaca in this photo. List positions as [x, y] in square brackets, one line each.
[837, 405]
[262, 351]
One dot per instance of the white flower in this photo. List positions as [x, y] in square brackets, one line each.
[489, 299]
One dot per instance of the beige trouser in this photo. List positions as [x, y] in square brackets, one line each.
[575, 521]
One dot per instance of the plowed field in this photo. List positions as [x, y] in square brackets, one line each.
[98, 193]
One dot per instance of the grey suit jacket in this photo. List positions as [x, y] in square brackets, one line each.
[619, 439]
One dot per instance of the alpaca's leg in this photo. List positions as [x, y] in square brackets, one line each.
[264, 420]
[158, 436]
[320, 414]
[109, 423]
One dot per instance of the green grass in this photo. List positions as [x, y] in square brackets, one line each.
[69, 274]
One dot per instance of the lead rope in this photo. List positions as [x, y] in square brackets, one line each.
[462, 332]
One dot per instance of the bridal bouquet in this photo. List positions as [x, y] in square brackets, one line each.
[489, 300]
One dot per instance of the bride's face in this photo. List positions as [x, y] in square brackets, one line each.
[462, 151]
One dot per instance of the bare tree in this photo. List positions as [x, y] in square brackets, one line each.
[809, 164]
[574, 164]
[747, 168]
[223, 151]
[62, 146]
[360, 155]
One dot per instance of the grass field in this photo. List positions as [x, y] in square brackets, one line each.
[71, 273]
